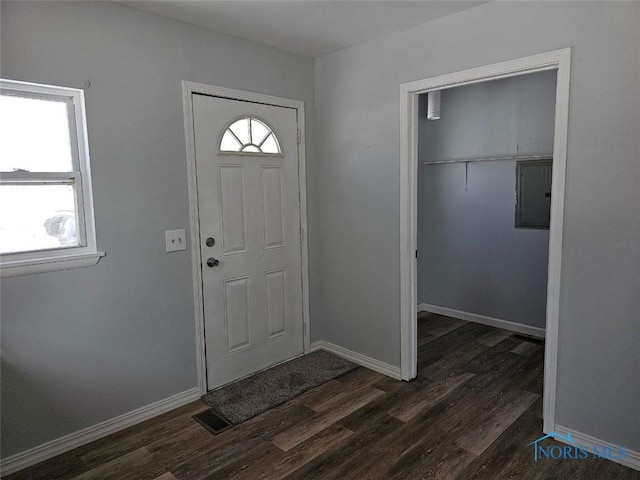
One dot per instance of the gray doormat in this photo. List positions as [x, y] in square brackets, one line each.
[244, 399]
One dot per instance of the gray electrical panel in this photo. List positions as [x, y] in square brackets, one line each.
[533, 193]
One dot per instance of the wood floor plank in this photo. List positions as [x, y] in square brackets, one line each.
[283, 464]
[498, 365]
[533, 381]
[378, 409]
[599, 468]
[263, 453]
[492, 426]
[509, 456]
[319, 393]
[434, 326]
[492, 358]
[469, 415]
[202, 463]
[141, 435]
[525, 348]
[185, 447]
[119, 468]
[166, 476]
[445, 462]
[360, 377]
[453, 362]
[493, 338]
[388, 384]
[332, 402]
[411, 406]
[197, 460]
[306, 429]
[61, 467]
[338, 464]
[327, 441]
[411, 440]
[461, 410]
[89, 456]
[527, 375]
[424, 433]
[451, 342]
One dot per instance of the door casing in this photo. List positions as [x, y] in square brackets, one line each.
[559, 60]
[188, 90]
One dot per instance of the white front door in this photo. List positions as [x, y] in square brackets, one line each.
[249, 209]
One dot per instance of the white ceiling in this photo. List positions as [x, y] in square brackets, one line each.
[306, 27]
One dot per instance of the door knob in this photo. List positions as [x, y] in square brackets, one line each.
[213, 262]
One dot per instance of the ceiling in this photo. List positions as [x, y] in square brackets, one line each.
[306, 27]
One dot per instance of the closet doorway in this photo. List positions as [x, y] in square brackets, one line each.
[411, 109]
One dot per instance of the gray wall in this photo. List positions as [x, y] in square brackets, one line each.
[82, 346]
[471, 257]
[357, 115]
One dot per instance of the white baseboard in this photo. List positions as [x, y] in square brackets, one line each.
[473, 317]
[355, 357]
[632, 460]
[82, 437]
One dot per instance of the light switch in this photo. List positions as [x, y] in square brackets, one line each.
[175, 240]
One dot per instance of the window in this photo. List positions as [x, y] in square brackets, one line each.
[533, 193]
[46, 207]
[250, 136]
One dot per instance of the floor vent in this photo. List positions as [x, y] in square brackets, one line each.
[528, 338]
[212, 422]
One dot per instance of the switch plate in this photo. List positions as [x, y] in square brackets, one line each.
[175, 240]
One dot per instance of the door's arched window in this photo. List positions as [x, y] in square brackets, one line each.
[251, 136]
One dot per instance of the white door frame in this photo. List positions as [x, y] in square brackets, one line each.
[559, 60]
[188, 90]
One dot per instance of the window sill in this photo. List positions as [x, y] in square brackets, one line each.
[27, 267]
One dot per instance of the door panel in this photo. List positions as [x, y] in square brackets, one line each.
[276, 303]
[272, 199]
[234, 212]
[249, 203]
[237, 313]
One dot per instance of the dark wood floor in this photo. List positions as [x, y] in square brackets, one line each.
[469, 414]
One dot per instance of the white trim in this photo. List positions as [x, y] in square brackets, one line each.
[483, 319]
[632, 459]
[362, 360]
[559, 60]
[555, 238]
[422, 307]
[188, 89]
[304, 244]
[194, 235]
[67, 262]
[408, 233]
[86, 435]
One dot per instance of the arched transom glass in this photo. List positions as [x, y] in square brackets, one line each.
[250, 135]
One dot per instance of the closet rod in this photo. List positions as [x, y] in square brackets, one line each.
[491, 159]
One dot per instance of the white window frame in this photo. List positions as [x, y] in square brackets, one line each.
[86, 253]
